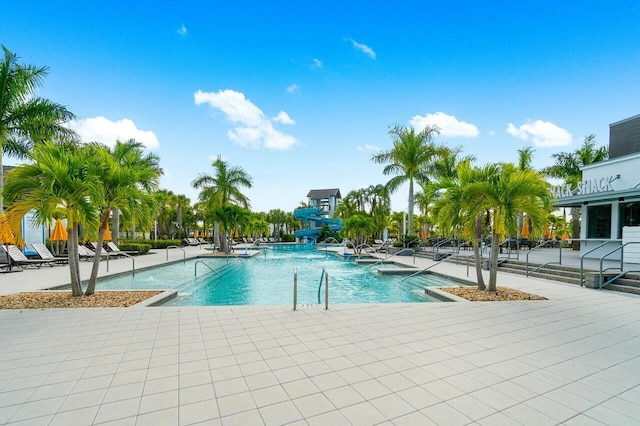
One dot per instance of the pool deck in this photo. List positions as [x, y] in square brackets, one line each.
[573, 359]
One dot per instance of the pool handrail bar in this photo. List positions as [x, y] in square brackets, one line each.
[295, 288]
[133, 267]
[195, 268]
[423, 270]
[539, 246]
[623, 272]
[320, 285]
[381, 261]
[582, 260]
[184, 253]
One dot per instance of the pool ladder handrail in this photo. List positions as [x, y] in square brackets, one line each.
[412, 251]
[423, 270]
[184, 253]
[324, 275]
[195, 268]
[133, 261]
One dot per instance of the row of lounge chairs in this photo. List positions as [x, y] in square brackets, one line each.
[195, 241]
[15, 257]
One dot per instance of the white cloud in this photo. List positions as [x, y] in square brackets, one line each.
[182, 30]
[294, 88]
[448, 125]
[103, 130]
[542, 133]
[367, 147]
[255, 130]
[363, 48]
[316, 63]
[283, 118]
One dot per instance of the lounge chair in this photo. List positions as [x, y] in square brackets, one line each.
[191, 241]
[45, 254]
[88, 254]
[114, 250]
[18, 258]
[202, 241]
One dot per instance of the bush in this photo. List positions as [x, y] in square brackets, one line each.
[288, 238]
[141, 248]
[154, 244]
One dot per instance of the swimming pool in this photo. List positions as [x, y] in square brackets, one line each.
[267, 279]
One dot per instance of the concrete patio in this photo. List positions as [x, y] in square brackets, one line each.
[573, 359]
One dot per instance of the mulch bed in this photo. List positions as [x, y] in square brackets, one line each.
[64, 299]
[502, 294]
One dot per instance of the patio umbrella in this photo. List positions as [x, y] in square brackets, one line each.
[196, 234]
[6, 236]
[565, 236]
[547, 231]
[525, 229]
[59, 234]
[107, 233]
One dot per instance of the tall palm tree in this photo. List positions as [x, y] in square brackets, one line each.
[567, 166]
[59, 176]
[126, 176]
[26, 119]
[223, 188]
[525, 162]
[410, 160]
[506, 193]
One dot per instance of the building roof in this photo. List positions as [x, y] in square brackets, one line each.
[321, 194]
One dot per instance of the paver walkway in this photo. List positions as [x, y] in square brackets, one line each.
[573, 359]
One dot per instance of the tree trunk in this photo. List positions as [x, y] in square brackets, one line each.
[575, 227]
[116, 226]
[91, 287]
[493, 271]
[476, 253]
[74, 260]
[410, 230]
[1, 180]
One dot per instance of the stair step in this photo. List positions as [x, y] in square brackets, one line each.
[622, 288]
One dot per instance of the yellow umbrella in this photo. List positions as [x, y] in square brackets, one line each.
[547, 231]
[565, 236]
[196, 234]
[525, 229]
[107, 233]
[59, 232]
[6, 236]
[237, 235]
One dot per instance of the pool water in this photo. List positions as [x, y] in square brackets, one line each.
[267, 279]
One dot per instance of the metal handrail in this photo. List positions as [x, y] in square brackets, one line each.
[295, 288]
[621, 248]
[582, 260]
[390, 256]
[195, 268]
[320, 285]
[548, 263]
[184, 253]
[359, 248]
[423, 270]
[133, 268]
[436, 246]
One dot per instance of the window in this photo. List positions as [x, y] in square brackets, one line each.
[629, 214]
[599, 221]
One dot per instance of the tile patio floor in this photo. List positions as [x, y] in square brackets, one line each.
[573, 359]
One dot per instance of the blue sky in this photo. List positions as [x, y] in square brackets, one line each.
[302, 94]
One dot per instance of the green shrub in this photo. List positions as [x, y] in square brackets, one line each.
[154, 244]
[141, 248]
[288, 238]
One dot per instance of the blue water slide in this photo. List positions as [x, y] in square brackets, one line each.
[313, 214]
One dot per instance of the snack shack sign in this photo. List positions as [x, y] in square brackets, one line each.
[586, 187]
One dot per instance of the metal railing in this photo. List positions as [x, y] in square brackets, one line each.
[381, 261]
[582, 260]
[133, 261]
[184, 253]
[195, 268]
[623, 272]
[539, 246]
[324, 275]
[295, 288]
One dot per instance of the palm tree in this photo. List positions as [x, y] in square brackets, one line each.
[26, 119]
[568, 166]
[525, 161]
[357, 227]
[506, 193]
[127, 177]
[223, 189]
[58, 176]
[410, 160]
